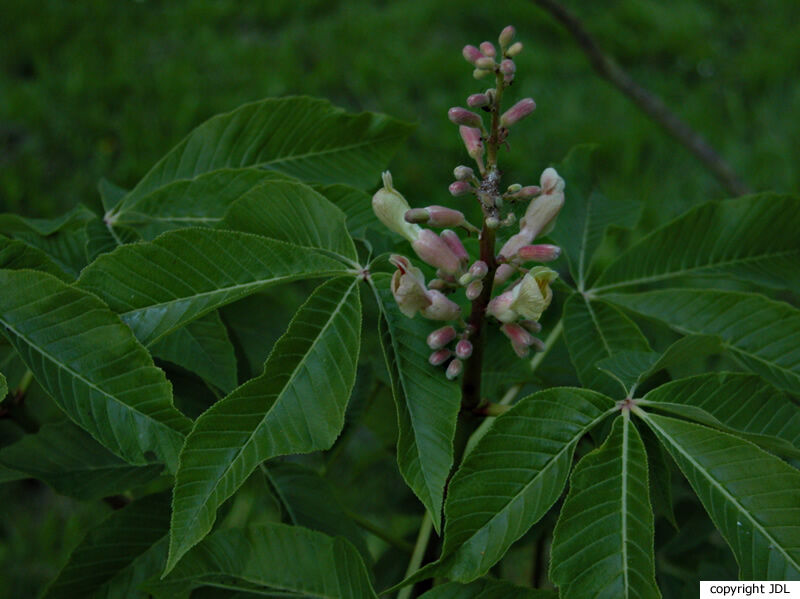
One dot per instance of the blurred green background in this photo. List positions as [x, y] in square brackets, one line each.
[103, 89]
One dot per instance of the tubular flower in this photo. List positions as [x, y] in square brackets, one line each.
[411, 295]
[390, 207]
[527, 300]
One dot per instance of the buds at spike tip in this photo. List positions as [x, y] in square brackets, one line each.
[462, 116]
[480, 73]
[441, 337]
[478, 269]
[474, 289]
[542, 252]
[454, 369]
[463, 173]
[459, 188]
[439, 357]
[514, 49]
[453, 241]
[507, 67]
[471, 53]
[390, 207]
[506, 35]
[485, 63]
[436, 252]
[488, 49]
[478, 100]
[464, 349]
[517, 112]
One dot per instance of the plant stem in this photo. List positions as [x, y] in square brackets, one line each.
[419, 553]
[548, 345]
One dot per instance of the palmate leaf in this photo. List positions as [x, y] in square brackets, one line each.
[486, 589]
[737, 401]
[427, 403]
[119, 554]
[595, 331]
[512, 477]
[587, 213]
[752, 497]
[202, 347]
[92, 366]
[753, 238]
[304, 137]
[296, 406]
[310, 501]
[761, 333]
[73, 463]
[603, 541]
[161, 285]
[276, 556]
[295, 213]
[199, 201]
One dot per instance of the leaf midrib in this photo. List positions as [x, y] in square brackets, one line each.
[300, 362]
[723, 491]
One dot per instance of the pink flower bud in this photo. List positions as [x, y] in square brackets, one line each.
[503, 273]
[517, 334]
[531, 325]
[537, 345]
[472, 141]
[417, 215]
[471, 53]
[521, 350]
[485, 63]
[433, 250]
[508, 79]
[529, 191]
[511, 247]
[517, 112]
[462, 116]
[507, 67]
[463, 173]
[488, 49]
[441, 308]
[459, 188]
[539, 253]
[500, 307]
[463, 349]
[454, 369]
[478, 100]
[474, 290]
[439, 357]
[441, 216]
[478, 269]
[514, 49]
[453, 241]
[441, 337]
[506, 36]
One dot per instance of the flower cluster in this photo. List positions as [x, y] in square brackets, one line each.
[524, 290]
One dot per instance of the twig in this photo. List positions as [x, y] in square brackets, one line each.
[648, 102]
[419, 553]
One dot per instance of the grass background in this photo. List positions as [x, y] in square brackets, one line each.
[92, 89]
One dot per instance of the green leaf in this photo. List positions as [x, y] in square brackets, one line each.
[202, 347]
[760, 332]
[356, 204]
[587, 213]
[512, 477]
[603, 541]
[628, 366]
[311, 501]
[161, 285]
[277, 556]
[753, 238]
[303, 137]
[594, 331]
[11, 224]
[296, 406]
[101, 239]
[752, 497]
[92, 366]
[199, 201]
[16, 255]
[3, 386]
[427, 403]
[486, 589]
[739, 402]
[73, 463]
[126, 549]
[292, 212]
[110, 193]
